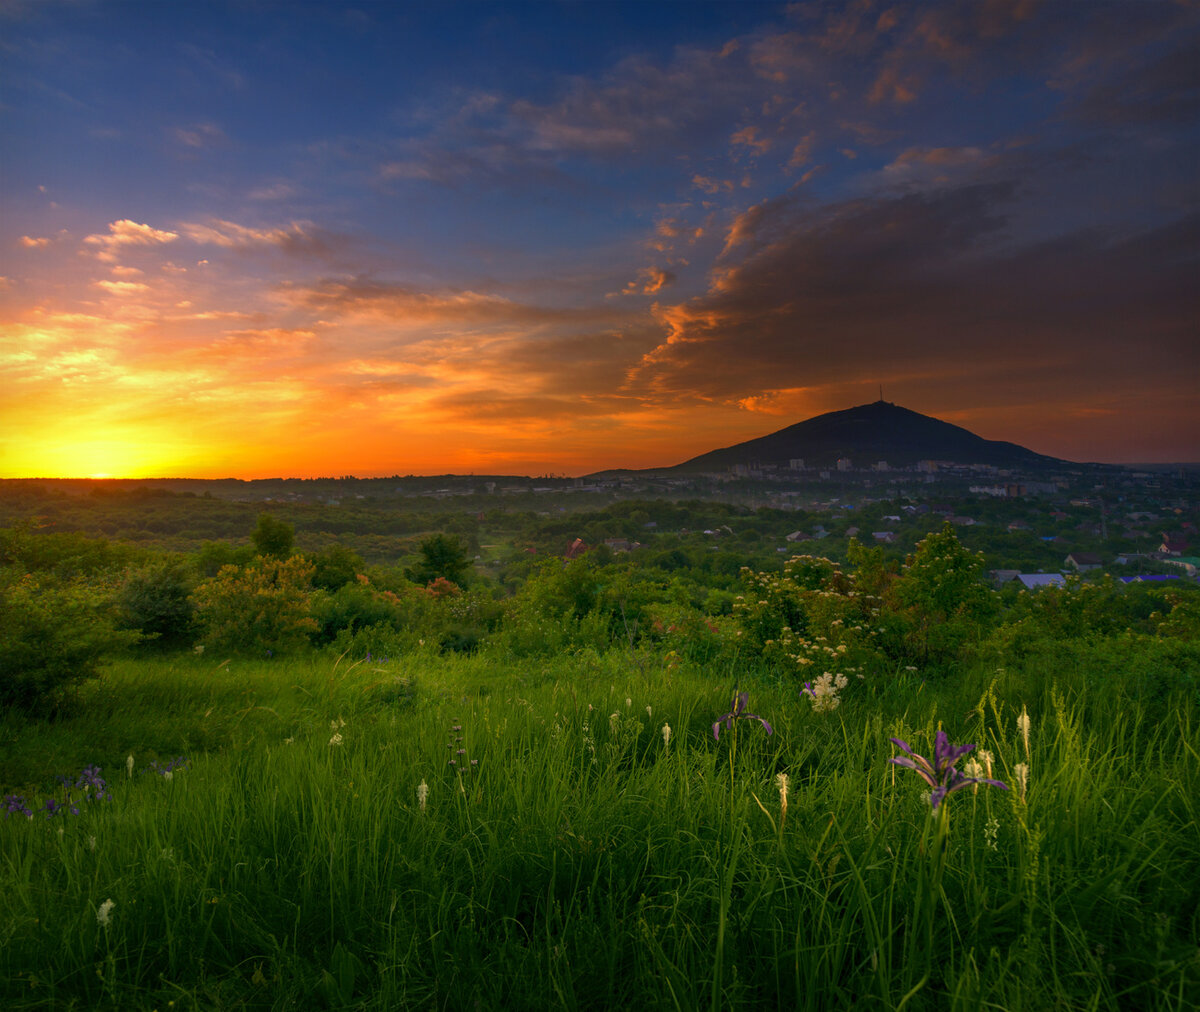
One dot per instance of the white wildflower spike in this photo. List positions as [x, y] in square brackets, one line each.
[987, 759]
[974, 769]
[1023, 724]
[129, 765]
[104, 913]
[335, 740]
[1022, 771]
[666, 734]
[781, 781]
[422, 794]
[823, 693]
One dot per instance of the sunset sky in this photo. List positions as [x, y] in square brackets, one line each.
[256, 239]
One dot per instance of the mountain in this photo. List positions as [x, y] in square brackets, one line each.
[865, 435]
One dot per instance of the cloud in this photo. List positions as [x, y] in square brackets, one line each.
[924, 283]
[650, 280]
[32, 242]
[412, 306]
[122, 288]
[127, 233]
[276, 191]
[200, 136]
[1165, 89]
[297, 237]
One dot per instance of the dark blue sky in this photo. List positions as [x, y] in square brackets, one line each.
[569, 236]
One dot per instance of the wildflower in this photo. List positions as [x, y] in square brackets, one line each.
[14, 804]
[628, 702]
[90, 778]
[129, 766]
[781, 781]
[987, 759]
[104, 913]
[940, 774]
[1023, 724]
[666, 735]
[1022, 771]
[990, 831]
[824, 695]
[422, 794]
[336, 739]
[649, 712]
[737, 712]
[53, 808]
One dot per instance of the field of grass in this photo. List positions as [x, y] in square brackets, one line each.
[566, 851]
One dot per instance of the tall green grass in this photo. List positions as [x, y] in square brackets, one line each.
[588, 863]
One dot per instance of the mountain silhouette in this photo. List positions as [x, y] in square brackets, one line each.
[865, 435]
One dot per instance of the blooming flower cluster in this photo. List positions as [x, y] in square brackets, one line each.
[89, 786]
[824, 692]
[812, 614]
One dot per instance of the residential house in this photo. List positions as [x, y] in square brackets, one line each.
[1173, 544]
[1034, 581]
[1002, 576]
[1082, 562]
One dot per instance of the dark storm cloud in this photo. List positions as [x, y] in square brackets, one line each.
[917, 283]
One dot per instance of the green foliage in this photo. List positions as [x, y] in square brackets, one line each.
[335, 566]
[263, 608]
[155, 600]
[213, 556]
[53, 636]
[65, 555]
[273, 537]
[442, 555]
[941, 596]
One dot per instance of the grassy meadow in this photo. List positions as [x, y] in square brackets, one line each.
[448, 831]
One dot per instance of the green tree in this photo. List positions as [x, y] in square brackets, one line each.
[441, 555]
[156, 601]
[941, 595]
[273, 537]
[335, 566]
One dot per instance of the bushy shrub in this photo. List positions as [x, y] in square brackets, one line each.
[156, 601]
[53, 636]
[263, 608]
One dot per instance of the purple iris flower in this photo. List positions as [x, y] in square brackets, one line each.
[941, 774]
[14, 804]
[53, 808]
[738, 712]
[90, 779]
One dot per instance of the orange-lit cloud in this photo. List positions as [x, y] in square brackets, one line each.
[125, 233]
